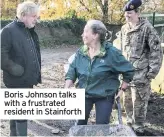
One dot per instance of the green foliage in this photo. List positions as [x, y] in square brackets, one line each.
[53, 43]
[71, 14]
[76, 25]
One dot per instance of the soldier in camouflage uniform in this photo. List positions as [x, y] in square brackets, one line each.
[141, 46]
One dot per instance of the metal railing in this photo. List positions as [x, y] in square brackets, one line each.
[154, 15]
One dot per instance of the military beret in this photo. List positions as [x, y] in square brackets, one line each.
[132, 5]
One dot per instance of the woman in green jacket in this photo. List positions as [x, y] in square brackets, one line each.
[97, 66]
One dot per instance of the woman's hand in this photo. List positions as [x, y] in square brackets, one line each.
[119, 94]
[68, 83]
[122, 89]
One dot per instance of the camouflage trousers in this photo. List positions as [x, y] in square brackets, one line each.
[135, 101]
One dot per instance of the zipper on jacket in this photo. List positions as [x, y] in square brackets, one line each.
[34, 50]
[90, 70]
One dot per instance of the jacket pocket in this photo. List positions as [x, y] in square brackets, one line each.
[140, 77]
[16, 70]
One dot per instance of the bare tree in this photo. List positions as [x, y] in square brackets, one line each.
[104, 8]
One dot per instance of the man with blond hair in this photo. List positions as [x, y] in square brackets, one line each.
[20, 56]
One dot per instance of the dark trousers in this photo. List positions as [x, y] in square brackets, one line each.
[18, 127]
[103, 108]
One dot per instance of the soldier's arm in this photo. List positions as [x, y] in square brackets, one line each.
[155, 55]
[7, 64]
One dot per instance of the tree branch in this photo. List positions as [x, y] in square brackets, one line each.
[82, 3]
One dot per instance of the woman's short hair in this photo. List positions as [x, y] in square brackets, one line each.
[98, 27]
[27, 8]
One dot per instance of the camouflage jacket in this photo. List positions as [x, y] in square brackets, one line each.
[142, 47]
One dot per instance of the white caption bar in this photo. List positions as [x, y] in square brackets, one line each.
[42, 104]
